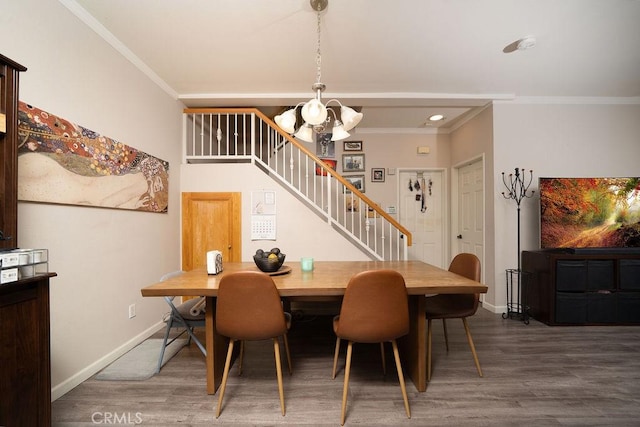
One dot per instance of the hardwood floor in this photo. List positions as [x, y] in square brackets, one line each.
[533, 375]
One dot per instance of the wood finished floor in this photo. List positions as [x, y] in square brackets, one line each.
[534, 375]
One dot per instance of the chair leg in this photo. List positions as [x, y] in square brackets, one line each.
[396, 355]
[225, 375]
[164, 344]
[473, 348]
[335, 358]
[193, 338]
[428, 350]
[190, 333]
[241, 357]
[286, 349]
[345, 388]
[446, 335]
[276, 354]
[384, 364]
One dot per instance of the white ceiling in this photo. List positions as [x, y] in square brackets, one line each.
[400, 60]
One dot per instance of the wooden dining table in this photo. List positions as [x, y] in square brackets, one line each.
[328, 279]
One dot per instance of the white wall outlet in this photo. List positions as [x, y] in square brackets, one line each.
[132, 311]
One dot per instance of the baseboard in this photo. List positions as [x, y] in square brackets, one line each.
[70, 383]
[494, 308]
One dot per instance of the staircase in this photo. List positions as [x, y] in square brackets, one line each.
[244, 135]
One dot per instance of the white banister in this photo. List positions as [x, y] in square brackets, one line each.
[247, 135]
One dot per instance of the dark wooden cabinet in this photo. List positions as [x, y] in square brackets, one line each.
[594, 288]
[9, 77]
[25, 368]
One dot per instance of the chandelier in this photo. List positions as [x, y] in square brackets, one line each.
[314, 112]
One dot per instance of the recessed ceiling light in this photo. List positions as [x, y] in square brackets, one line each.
[436, 118]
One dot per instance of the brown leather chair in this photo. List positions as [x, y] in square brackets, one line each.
[248, 308]
[455, 306]
[374, 310]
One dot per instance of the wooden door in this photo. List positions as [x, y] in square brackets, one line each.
[471, 209]
[210, 221]
[422, 211]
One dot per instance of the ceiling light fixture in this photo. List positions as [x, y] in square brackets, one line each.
[526, 43]
[316, 114]
[436, 118]
[523, 43]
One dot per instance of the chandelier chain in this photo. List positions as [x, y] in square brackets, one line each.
[318, 53]
[314, 113]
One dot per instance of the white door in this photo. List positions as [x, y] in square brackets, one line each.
[422, 213]
[470, 235]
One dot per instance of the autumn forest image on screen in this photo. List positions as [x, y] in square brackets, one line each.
[589, 212]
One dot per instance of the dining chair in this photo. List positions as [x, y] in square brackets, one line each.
[374, 310]
[249, 308]
[455, 306]
[187, 316]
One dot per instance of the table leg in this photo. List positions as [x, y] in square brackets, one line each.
[216, 348]
[414, 345]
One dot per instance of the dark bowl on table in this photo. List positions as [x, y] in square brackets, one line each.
[267, 265]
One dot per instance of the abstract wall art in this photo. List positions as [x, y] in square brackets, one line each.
[65, 163]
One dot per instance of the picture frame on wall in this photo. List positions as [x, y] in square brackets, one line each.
[332, 163]
[352, 146]
[352, 204]
[325, 147]
[377, 174]
[357, 181]
[353, 163]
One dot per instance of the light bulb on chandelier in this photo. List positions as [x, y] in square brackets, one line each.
[314, 113]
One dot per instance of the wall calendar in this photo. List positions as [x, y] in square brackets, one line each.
[263, 215]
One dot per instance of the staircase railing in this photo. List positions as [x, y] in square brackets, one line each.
[247, 135]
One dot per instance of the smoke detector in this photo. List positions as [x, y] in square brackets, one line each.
[526, 43]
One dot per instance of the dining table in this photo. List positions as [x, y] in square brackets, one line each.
[327, 279]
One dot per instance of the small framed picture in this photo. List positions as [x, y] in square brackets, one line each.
[357, 181]
[352, 146]
[329, 162]
[352, 204]
[377, 174]
[325, 147]
[353, 163]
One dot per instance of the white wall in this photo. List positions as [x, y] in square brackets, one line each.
[396, 150]
[300, 232]
[564, 140]
[103, 257]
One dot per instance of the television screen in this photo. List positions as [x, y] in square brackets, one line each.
[589, 212]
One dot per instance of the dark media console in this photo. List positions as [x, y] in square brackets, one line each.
[596, 251]
[591, 286]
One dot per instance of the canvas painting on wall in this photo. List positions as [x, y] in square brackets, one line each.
[62, 162]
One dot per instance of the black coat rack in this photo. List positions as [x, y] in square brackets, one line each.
[517, 189]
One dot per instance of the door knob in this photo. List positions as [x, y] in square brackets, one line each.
[459, 236]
